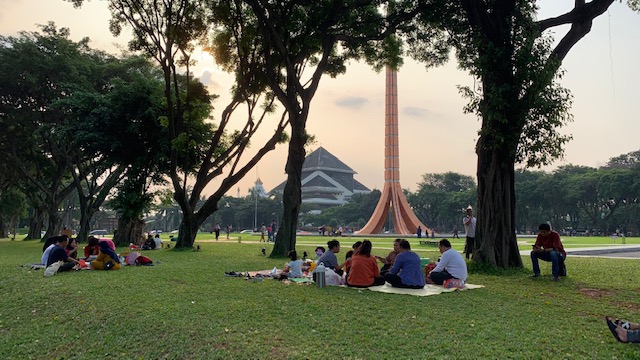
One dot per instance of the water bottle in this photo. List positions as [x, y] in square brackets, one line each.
[319, 275]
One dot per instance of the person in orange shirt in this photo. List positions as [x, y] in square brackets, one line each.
[364, 270]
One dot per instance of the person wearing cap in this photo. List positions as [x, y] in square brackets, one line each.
[548, 247]
[469, 222]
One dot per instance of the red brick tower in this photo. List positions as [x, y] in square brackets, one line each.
[404, 220]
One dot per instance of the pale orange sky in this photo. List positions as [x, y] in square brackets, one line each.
[347, 114]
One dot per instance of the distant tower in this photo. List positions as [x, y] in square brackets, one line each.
[259, 189]
[238, 193]
[392, 199]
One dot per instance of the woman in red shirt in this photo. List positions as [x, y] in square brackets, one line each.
[364, 270]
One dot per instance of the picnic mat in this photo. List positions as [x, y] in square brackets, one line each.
[426, 291]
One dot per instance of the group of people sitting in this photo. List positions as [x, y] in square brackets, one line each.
[100, 253]
[400, 268]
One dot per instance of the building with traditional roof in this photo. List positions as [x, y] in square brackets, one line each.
[326, 181]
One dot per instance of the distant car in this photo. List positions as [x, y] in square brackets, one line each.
[153, 232]
[303, 232]
[174, 231]
[246, 232]
[98, 232]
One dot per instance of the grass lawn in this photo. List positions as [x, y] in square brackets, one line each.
[184, 308]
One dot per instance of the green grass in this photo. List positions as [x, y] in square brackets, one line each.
[184, 308]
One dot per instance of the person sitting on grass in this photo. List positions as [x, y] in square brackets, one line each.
[52, 241]
[624, 331]
[347, 259]
[292, 269]
[107, 259]
[391, 258]
[72, 248]
[548, 247]
[450, 266]
[406, 271]
[149, 244]
[59, 253]
[364, 270]
[329, 258]
[92, 248]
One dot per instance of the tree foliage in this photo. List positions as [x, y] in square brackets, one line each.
[517, 64]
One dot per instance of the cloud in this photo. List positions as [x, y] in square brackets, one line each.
[207, 79]
[415, 111]
[352, 102]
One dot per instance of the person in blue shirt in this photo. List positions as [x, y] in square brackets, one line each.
[406, 271]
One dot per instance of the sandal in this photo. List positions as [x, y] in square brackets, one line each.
[613, 327]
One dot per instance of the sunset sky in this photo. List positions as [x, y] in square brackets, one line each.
[347, 114]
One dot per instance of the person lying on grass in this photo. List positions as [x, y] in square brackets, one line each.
[450, 266]
[406, 271]
[107, 259]
[624, 331]
[364, 271]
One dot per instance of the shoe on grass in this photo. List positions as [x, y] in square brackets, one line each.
[535, 275]
[554, 279]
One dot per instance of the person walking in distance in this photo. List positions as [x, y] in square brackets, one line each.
[469, 222]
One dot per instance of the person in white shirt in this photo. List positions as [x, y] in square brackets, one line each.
[450, 266]
[469, 222]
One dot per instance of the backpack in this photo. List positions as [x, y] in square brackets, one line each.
[143, 260]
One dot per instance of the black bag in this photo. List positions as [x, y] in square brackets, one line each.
[109, 265]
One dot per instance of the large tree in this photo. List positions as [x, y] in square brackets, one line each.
[301, 41]
[38, 70]
[521, 105]
[168, 32]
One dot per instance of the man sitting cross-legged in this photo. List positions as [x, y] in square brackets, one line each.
[450, 266]
[406, 271]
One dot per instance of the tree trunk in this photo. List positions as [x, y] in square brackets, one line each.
[3, 228]
[129, 231]
[292, 196]
[187, 231]
[85, 217]
[36, 222]
[496, 242]
[53, 221]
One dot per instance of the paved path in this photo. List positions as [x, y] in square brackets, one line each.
[620, 251]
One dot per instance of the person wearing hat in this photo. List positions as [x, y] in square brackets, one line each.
[469, 222]
[107, 259]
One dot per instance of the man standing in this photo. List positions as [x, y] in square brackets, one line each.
[419, 232]
[548, 247]
[469, 222]
[263, 229]
[216, 229]
[450, 266]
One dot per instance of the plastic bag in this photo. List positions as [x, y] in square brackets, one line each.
[332, 278]
[53, 268]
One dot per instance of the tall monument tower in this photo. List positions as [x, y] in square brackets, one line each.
[404, 220]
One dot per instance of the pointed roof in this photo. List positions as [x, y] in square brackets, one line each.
[321, 159]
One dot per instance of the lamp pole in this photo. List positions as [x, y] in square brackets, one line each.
[255, 219]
